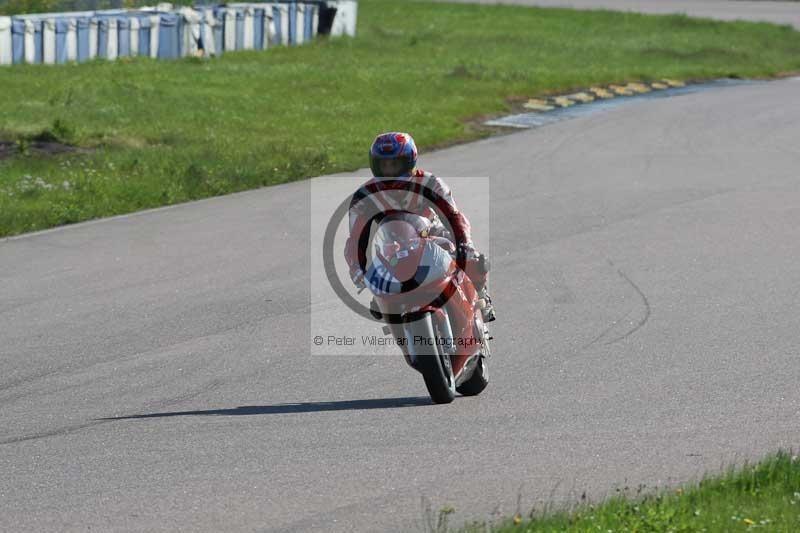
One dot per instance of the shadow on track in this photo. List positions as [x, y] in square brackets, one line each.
[289, 408]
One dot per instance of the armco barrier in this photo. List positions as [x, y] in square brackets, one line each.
[167, 33]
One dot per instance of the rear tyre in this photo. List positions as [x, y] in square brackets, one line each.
[477, 382]
[432, 363]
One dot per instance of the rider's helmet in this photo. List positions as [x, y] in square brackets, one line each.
[393, 155]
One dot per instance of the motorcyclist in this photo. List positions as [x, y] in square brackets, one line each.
[393, 161]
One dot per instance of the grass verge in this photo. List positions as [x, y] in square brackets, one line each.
[156, 133]
[764, 496]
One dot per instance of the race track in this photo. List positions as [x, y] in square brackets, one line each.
[156, 372]
[777, 12]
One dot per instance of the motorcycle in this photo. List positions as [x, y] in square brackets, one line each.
[430, 305]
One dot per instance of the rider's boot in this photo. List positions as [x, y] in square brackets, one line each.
[486, 305]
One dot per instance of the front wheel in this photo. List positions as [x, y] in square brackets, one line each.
[435, 366]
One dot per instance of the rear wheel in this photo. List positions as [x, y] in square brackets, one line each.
[431, 361]
[480, 376]
[478, 381]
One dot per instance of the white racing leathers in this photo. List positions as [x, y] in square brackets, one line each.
[433, 266]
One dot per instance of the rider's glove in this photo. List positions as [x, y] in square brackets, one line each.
[468, 250]
[358, 278]
[447, 244]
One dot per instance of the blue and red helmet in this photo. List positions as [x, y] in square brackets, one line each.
[393, 155]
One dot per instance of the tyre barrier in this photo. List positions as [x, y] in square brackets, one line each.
[166, 33]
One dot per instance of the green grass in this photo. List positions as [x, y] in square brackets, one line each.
[166, 132]
[761, 497]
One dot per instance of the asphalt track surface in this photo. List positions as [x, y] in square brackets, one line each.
[758, 10]
[646, 275]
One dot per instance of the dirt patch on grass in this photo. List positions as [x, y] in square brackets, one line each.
[7, 149]
[37, 148]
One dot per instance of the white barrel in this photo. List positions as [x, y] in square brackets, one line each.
[30, 42]
[248, 28]
[300, 24]
[134, 36]
[93, 38]
[113, 40]
[5, 41]
[344, 23]
[230, 30]
[269, 26]
[208, 32]
[72, 40]
[284, 9]
[191, 31]
[315, 21]
[49, 42]
[155, 23]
